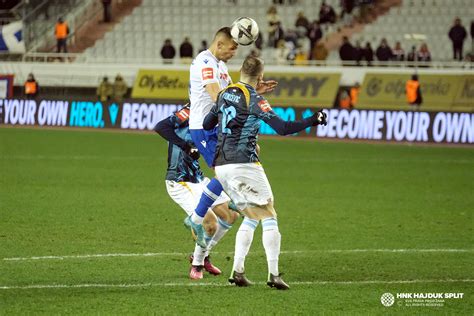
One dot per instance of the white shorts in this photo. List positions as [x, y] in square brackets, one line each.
[245, 183]
[188, 194]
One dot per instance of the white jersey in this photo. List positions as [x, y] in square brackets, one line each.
[205, 69]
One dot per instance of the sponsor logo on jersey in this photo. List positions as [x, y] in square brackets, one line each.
[207, 73]
[183, 114]
[224, 77]
[264, 106]
[203, 143]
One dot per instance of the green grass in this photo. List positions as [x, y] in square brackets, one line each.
[67, 193]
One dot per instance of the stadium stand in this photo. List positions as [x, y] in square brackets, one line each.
[415, 22]
[155, 21]
[411, 23]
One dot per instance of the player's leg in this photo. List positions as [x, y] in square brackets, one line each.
[205, 141]
[200, 257]
[186, 194]
[221, 223]
[241, 181]
[243, 241]
[271, 239]
[225, 219]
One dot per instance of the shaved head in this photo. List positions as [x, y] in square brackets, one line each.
[223, 45]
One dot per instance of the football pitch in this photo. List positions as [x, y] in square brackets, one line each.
[87, 227]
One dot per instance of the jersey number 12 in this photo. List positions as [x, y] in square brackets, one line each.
[228, 114]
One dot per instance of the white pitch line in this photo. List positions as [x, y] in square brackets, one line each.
[209, 284]
[171, 254]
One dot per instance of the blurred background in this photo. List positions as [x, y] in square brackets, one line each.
[341, 54]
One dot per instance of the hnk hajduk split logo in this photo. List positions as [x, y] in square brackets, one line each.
[387, 299]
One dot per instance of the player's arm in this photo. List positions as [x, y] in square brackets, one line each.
[213, 89]
[265, 113]
[212, 118]
[166, 129]
[290, 127]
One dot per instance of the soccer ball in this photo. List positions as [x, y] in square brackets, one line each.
[244, 31]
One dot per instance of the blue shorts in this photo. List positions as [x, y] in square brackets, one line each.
[205, 142]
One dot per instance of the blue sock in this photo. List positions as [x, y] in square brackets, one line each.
[210, 193]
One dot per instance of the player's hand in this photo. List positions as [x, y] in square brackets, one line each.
[320, 118]
[193, 152]
[266, 86]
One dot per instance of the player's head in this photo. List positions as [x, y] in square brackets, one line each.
[223, 46]
[252, 70]
[414, 77]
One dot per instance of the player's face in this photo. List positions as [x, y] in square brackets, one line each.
[227, 49]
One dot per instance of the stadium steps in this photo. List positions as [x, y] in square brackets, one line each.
[95, 29]
[334, 41]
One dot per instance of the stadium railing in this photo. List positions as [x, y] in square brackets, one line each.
[82, 58]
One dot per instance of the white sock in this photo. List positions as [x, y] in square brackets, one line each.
[222, 228]
[196, 218]
[271, 239]
[243, 240]
[199, 255]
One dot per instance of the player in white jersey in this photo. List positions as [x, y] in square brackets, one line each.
[208, 76]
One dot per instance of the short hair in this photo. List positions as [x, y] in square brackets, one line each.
[414, 77]
[252, 66]
[223, 31]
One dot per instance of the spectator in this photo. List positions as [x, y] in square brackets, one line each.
[346, 51]
[344, 99]
[119, 88]
[358, 53]
[274, 27]
[255, 53]
[365, 7]
[423, 54]
[398, 54]
[314, 34]
[320, 52]
[326, 14]
[412, 55]
[354, 94]
[472, 34]
[31, 87]
[301, 57]
[413, 92]
[291, 36]
[346, 13]
[259, 41]
[168, 52]
[281, 53]
[457, 34]
[383, 52]
[302, 21]
[203, 46]
[292, 52]
[368, 54]
[104, 90]
[107, 10]
[61, 31]
[347, 6]
[186, 50]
